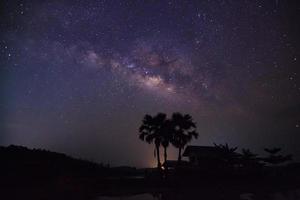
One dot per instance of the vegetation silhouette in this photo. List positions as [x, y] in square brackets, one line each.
[229, 154]
[167, 136]
[151, 131]
[158, 129]
[249, 159]
[274, 158]
[50, 175]
[184, 131]
[247, 155]
[209, 168]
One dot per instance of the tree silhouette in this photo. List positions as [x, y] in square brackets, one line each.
[167, 132]
[151, 132]
[248, 155]
[249, 159]
[273, 151]
[184, 131]
[229, 154]
[274, 158]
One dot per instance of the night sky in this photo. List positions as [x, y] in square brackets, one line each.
[78, 76]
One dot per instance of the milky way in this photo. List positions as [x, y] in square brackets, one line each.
[78, 76]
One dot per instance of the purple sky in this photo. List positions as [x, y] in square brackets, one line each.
[78, 76]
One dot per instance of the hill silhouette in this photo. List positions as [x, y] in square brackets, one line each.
[20, 162]
[42, 174]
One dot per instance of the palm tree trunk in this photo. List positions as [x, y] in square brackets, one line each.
[158, 157]
[179, 155]
[165, 153]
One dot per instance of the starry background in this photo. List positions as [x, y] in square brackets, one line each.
[78, 76]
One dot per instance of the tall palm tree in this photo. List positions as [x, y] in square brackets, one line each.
[167, 132]
[184, 131]
[151, 132]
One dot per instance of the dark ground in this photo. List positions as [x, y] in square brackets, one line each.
[39, 174]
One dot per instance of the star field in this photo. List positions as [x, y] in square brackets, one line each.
[78, 76]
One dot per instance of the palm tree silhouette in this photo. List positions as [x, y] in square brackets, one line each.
[184, 130]
[273, 151]
[230, 157]
[167, 132]
[248, 155]
[274, 158]
[151, 131]
[248, 158]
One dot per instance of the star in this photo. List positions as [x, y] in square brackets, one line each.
[103, 65]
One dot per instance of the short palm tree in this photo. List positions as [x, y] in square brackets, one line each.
[151, 132]
[248, 158]
[184, 131]
[275, 158]
[230, 157]
[248, 155]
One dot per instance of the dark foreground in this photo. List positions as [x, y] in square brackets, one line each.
[144, 189]
[36, 174]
